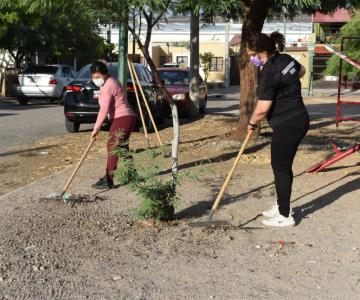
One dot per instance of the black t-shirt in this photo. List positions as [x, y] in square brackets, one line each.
[279, 82]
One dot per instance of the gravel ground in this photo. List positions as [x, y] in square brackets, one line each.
[96, 249]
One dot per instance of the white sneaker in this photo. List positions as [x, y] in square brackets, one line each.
[280, 221]
[273, 211]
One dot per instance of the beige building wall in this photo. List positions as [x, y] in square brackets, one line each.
[302, 56]
[217, 48]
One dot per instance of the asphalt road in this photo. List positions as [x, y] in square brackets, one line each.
[25, 124]
[21, 125]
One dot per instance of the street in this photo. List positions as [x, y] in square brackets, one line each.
[21, 125]
[39, 119]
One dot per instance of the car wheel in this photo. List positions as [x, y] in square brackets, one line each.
[22, 101]
[72, 126]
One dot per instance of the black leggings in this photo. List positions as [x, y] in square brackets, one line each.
[284, 144]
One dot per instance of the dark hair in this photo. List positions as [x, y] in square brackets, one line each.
[99, 67]
[271, 44]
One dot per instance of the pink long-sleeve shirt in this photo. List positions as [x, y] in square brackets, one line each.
[113, 102]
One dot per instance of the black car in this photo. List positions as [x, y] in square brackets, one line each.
[81, 97]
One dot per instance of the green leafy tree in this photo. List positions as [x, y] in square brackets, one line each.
[351, 48]
[206, 63]
[52, 32]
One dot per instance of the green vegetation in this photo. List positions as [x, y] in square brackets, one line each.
[206, 63]
[351, 48]
[158, 194]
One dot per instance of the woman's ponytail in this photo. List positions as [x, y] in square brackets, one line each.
[279, 40]
[262, 42]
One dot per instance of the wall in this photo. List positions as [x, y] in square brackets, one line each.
[181, 49]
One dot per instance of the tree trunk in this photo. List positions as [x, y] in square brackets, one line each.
[253, 23]
[194, 65]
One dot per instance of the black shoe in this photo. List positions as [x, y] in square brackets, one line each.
[103, 184]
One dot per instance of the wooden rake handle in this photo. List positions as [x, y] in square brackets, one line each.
[231, 172]
[132, 72]
[77, 167]
[147, 106]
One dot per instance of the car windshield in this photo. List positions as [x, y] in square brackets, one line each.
[41, 70]
[175, 77]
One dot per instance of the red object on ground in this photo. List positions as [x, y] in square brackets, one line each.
[339, 155]
[340, 53]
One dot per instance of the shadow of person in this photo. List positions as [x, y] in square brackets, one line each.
[306, 209]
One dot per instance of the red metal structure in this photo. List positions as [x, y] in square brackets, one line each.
[356, 64]
[339, 155]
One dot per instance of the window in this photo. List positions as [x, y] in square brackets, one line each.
[175, 77]
[182, 59]
[217, 64]
[66, 72]
[40, 69]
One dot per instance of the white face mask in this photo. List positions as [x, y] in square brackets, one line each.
[99, 82]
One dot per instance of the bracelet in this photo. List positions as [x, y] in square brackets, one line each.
[253, 125]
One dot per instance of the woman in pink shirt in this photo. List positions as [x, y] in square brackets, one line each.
[114, 105]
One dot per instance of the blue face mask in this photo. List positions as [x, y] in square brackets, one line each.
[256, 61]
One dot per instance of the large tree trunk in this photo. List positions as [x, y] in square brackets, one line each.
[194, 64]
[253, 23]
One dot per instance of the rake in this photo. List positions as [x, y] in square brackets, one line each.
[219, 223]
[63, 195]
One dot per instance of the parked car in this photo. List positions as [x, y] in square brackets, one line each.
[177, 82]
[81, 97]
[43, 81]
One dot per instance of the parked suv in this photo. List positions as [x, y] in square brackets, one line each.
[81, 97]
[43, 81]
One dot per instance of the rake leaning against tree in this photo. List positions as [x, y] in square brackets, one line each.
[280, 100]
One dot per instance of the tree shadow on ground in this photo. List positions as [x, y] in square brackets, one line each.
[328, 198]
[27, 150]
[215, 159]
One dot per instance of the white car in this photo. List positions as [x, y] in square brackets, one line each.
[43, 81]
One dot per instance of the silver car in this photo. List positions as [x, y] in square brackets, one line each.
[43, 81]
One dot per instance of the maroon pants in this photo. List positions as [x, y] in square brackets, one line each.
[120, 131]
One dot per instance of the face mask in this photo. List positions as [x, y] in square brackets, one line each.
[99, 82]
[256, 61]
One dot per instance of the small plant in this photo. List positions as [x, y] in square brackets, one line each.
[206, 63]
[158, 195]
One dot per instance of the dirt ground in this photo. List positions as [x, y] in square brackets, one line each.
[96, 249]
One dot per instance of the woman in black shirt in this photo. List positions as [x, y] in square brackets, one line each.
[279, 99]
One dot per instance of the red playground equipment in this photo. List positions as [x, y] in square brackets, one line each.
[339, 155]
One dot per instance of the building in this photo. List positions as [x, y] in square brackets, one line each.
[170, 43]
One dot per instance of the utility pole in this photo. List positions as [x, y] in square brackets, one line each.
[194, 63]
[123, 50]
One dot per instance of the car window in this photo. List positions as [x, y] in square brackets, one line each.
[41, 69]
[146, 74]
[66, 72]
[149, 74]
[175, 77]
[84, 73]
